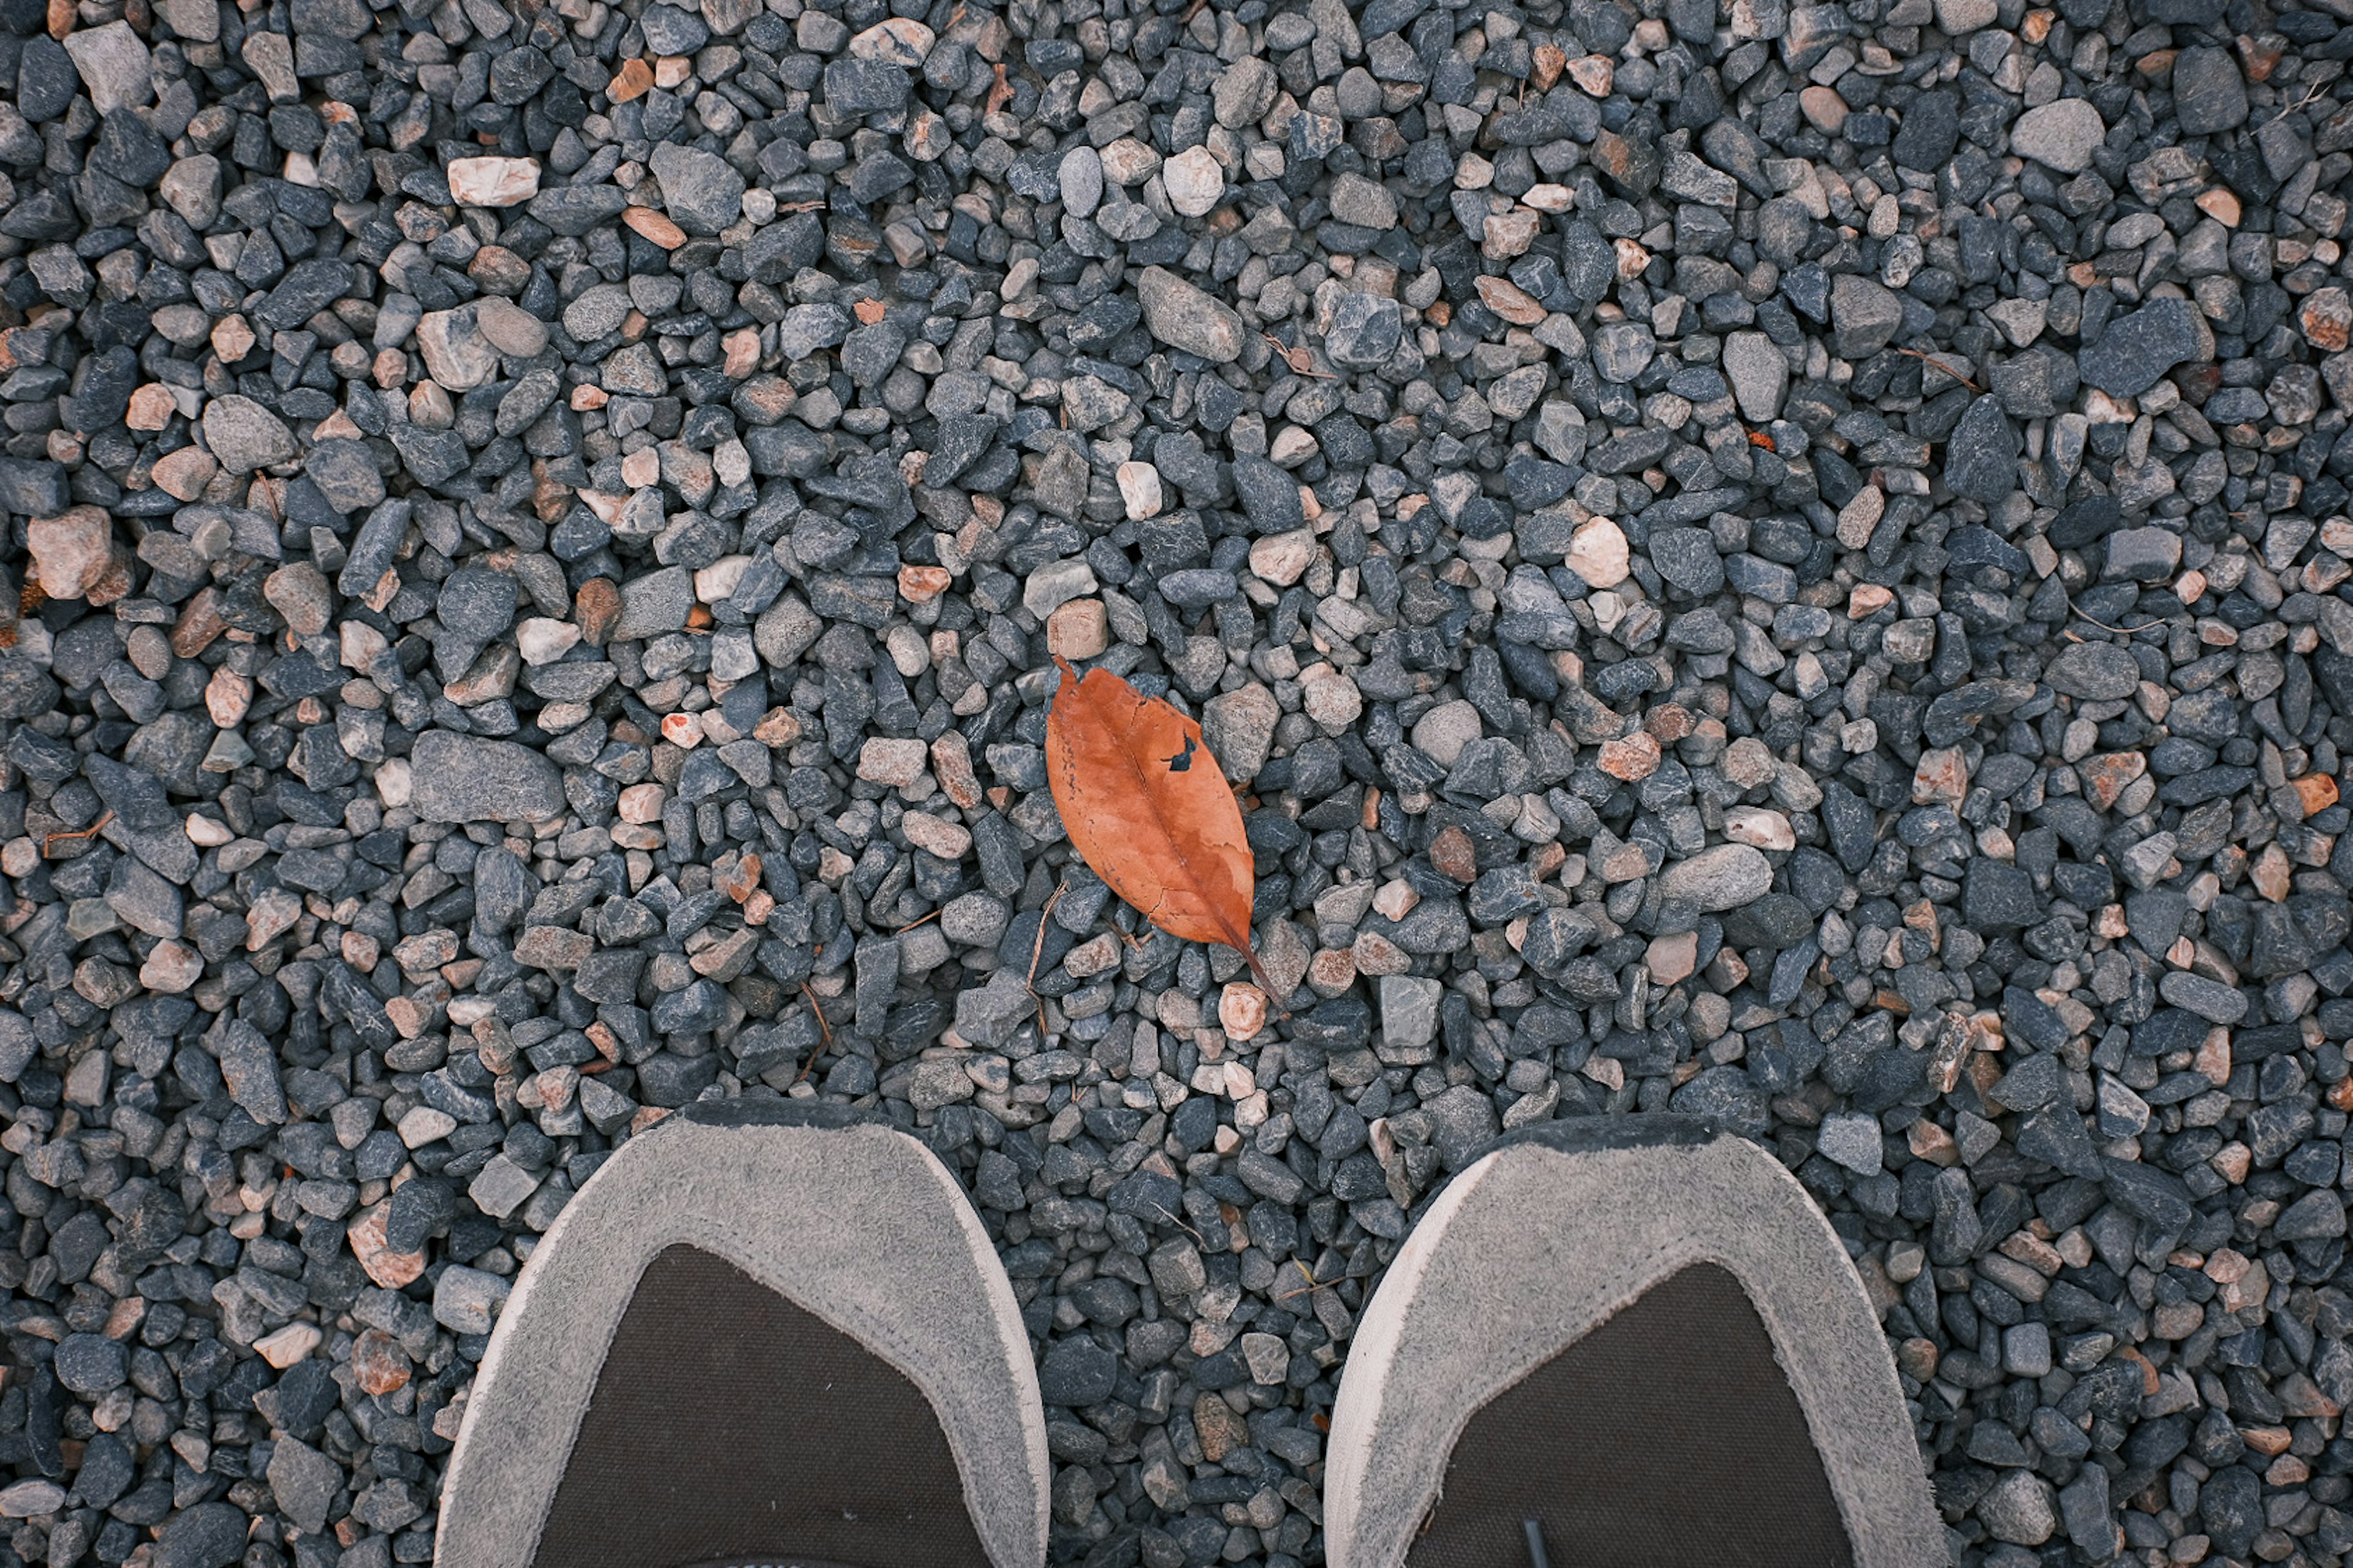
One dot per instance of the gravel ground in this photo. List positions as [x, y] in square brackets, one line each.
[1787, 562]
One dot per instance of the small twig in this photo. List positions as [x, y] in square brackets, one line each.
[1037, 951]
[1307, 1274]
[1940, 364]
[824, 1028]
[1274, 998]
[103, 818]
[927, 919]
[2120, 631]
[2310, 94]
[1180, 1225]
[1302, 360]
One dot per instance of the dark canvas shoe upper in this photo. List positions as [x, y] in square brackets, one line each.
[692, 1445]
[1665, 1438]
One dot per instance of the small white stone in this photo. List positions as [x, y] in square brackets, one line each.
[1056, 583]
[717, 583]
[1291, 445]
[502, 1187]
[424, 1125]
[456, 355]
[1194, 181]
[270, 57]
[1139, 486]
[732, 462]
[171, 968]
[31, 1498]
[898, 40]
[1127, 159]
[935, 835]
[1757, 825]
[493, 181]
[543, 639]
[1851, 1139]
[1281, 559]
[1333, 700]
[1597, 554]
[72, 552]
[910, 655]
[895, 762]
[114, 65]
[2064, 135]
[1267, 1357]
[1079, 630]
[467, 1301]
[1445, 730]
[289, 1345]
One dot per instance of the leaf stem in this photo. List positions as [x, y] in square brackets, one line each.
[1037, 950]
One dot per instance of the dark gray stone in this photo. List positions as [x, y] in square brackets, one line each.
[1981, 454]
[2098, 671]
[471, 778]
[2134, 351]
[2209, 93]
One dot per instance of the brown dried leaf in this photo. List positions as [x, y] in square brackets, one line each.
[1146, 806]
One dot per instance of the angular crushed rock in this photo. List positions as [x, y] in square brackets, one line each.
[1787, 562]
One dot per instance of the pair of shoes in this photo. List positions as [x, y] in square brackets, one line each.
[776, 1333]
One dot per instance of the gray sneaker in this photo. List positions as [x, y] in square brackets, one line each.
[1631, 1341]
[764, 1332]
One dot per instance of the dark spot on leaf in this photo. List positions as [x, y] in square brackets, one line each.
[1182, 762]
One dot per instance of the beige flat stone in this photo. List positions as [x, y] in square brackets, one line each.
[1597, 554]
[493, 181]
